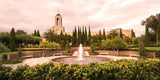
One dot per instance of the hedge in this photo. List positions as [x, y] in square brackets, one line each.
[113, 70]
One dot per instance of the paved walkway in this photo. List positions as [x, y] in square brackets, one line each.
[32, 61]
[41, 60]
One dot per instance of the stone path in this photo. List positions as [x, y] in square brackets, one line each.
[41, 60]
[32, 61]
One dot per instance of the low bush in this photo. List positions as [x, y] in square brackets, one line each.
[3, 48]
[4, 56]
[113, 70]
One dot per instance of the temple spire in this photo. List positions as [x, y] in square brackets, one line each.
[58, 11]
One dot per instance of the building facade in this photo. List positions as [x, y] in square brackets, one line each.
[58, 28]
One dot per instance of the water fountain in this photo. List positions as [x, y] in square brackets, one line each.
[80, 53]
[80, 57]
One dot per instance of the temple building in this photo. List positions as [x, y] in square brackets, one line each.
[58, 25]
[58, 28]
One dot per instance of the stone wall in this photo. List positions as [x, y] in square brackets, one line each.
[153, 54]
[76, 48]
[35, 54]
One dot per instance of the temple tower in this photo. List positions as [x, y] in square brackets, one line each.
[58, 24]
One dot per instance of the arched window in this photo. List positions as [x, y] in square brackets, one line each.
[57, 21]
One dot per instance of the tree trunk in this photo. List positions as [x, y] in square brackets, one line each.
[117, 52]
[157, 38]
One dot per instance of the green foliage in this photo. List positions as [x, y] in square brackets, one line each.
[104, 34]
[3, 48]
[38, 34]
[153, 22]
[127, 39]
[147, 36]
[133, 33]
[52, 37]
[115, 44]
[12, 61]
[121, 35]
[47, 44]
[141, 48]
[80, 36]
[19, 32]
[12, 40]
[4, 38]
[112, 34]
[93, 50]
[19, 52]
[4, 56]
[35, 33]
[63, 45]
[27, 39]
[113, 70]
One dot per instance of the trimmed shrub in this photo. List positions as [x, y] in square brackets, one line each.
[4, 56]
[125, 69]
[19, 52]
[3, 48]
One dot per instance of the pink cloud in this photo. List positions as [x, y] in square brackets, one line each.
[108, 14]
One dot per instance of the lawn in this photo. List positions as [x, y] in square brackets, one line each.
[147, 48]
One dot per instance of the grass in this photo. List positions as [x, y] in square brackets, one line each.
[147, 48]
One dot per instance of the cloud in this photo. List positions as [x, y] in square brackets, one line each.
[108, 14]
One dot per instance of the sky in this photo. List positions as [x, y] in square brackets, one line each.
[29, 15]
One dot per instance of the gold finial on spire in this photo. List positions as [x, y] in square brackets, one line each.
[58, 11]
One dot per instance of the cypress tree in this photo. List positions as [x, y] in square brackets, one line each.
[80, 40]
[12, 40]
[35, 33]
[85, 34]
[147, 36]
[75, 36]
[83, 37]
[133, 33]
[89, 36]
[104, 35]
[121, 35]
[159, 31]
[100, 36]
[141, 48]
[38, 34]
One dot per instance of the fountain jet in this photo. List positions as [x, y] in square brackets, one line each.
[80, 53]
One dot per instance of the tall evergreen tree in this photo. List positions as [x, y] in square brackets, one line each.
[12, 40]
[85, 34]
[147, 36]
[104, 34]
[159, 31]
[38, 34]
[83, 37]
[133, 33]
[99, 32]
[35, 33]
[89, 33]
[79, 35]
[80, 39]
[89, 37]
[100, 37]
[141, 47]
[121, 35]
[75, 36]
